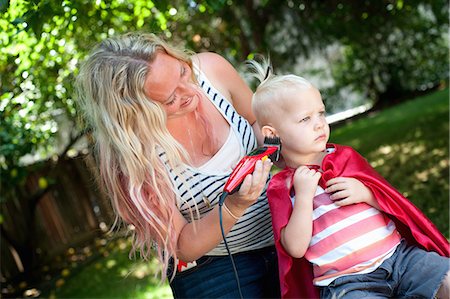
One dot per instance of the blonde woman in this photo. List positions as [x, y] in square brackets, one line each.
[169, 126]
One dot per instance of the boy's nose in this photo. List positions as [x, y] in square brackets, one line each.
[319, 123]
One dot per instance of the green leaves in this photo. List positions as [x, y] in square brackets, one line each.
[380, 44]
[34, 93]
[4, 4]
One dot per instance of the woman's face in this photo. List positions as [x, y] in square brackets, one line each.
[169, 83]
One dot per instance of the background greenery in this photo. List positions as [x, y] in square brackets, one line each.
[380, 50]
[356, 52]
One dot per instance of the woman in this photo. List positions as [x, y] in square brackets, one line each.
[169, 127]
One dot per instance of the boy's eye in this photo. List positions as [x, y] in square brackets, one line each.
[305, 119]
[322, 113]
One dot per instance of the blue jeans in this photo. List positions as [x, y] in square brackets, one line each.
[409, 273]
[213, 277]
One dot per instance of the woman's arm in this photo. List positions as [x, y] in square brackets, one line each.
[227, 80]
[197, 238]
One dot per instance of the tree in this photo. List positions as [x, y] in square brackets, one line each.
[43, 44]
[400, 48]
[387, 49]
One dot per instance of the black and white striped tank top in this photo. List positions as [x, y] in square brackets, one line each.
[201, 191]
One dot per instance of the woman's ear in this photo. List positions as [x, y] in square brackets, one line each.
[268, 131]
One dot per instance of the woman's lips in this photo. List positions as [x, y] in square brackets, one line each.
[187, 102]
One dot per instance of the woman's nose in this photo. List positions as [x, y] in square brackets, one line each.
[185, 88]
[182, 86]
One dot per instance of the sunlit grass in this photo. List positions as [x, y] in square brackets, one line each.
[114, 276]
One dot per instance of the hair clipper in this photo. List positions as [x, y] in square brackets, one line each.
[246, 165]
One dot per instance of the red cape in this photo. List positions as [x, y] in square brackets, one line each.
[296, 274]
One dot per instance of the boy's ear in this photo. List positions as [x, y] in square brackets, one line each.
[268, 131]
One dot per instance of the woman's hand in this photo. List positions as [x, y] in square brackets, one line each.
[251, 188]
[346, 191]
[207, 229]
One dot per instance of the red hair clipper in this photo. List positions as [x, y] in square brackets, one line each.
[246, 165]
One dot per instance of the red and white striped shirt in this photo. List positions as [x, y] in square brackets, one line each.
[347, 240]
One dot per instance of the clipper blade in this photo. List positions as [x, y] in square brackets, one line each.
[273, 141]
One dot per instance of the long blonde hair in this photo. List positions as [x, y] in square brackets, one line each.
[127, 128]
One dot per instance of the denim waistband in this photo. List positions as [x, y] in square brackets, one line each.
[205, 258]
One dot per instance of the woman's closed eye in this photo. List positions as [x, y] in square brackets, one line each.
[171, 102]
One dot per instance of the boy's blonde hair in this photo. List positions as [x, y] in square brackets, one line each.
[272, 90]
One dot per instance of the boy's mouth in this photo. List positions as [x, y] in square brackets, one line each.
[321, 137]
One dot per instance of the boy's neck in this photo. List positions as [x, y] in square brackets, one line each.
[313, 159]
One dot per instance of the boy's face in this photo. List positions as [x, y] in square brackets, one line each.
[302, 128]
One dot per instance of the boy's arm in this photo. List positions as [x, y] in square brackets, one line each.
[296, 235]
[346, 191]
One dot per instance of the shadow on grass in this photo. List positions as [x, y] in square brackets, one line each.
[113, 275]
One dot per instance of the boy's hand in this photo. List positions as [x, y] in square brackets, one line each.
[346, 191]
[305, 182]
[296, 235]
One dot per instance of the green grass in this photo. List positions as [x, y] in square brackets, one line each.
[407, 144]
[113, 275]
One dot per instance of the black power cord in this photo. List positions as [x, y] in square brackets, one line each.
[221, 200]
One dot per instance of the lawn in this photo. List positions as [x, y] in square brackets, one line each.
[408, 144]
[113, 275]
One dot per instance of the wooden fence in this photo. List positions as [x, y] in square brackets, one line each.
[72, 212]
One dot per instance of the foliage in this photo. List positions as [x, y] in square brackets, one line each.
[44, 41]
[399, 49]
[382, 50]
[398, 45]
